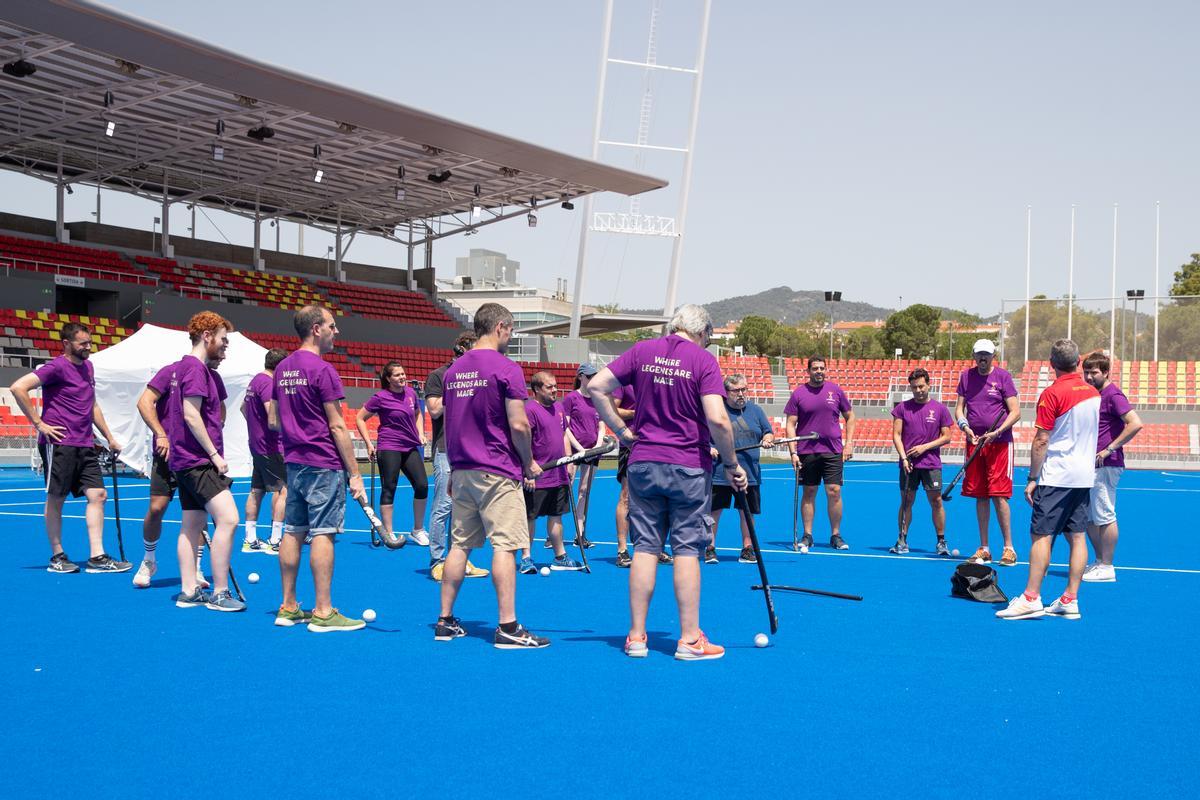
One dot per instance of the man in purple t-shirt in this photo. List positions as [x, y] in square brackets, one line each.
[196, 422]
[986, 411]
[319, 456]
[266, 451]
[490, 453]
[920, 427]
[154, 407]
[1118, 424]
[548, 495]
[64, 426]
[681, 404]
[818, 406]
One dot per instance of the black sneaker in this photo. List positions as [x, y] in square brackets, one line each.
[942, 549]
[838, 543]
[806, 540]
[585, 543]
[664, 558]
[520, 639]
[747, 556]
[624, 559]
[447, 629]
[60, 563]
[710, 555]
[106, 563]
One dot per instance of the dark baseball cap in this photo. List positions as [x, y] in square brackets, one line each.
[587, 370]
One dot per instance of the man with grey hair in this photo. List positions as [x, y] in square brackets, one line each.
[680, 404]
[1062, 470]
[750, 427]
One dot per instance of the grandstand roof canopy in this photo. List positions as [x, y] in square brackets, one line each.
[592, 324]
[178, 103]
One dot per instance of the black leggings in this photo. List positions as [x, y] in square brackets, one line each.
[392, 463]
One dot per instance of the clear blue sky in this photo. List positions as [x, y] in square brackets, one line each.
[885, 149]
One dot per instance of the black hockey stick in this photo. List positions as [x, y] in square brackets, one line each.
[748, 519]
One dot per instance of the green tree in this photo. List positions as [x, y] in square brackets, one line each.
[1187, 279]
[912, 330]
[754, 335]
[865, 343]
[1047, 323]
[1178, 335]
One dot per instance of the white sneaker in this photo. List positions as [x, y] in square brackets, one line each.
[1065, 610]
[419, 537]
[145, 572]
[1020, 608]
[1100, 573]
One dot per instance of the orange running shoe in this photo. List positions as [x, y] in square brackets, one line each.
[982, 556]
[1008, 558]
[700, 650]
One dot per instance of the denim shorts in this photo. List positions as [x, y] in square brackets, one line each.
[668, 499]
[316, 500]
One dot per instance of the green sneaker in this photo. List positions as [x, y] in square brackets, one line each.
[335, 622]
[287, 617]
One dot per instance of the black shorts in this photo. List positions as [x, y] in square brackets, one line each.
[162, 480]
[931, 479]
[199, 485]
[270, 474]
[818, 467]
[72, 470]
[724, 496]
[552, 502]
[1059, 509]
[622, 464]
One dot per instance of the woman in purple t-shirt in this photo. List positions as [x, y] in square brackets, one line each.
[583, 431]
[401, 444]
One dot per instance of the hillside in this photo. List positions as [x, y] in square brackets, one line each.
[785, 305]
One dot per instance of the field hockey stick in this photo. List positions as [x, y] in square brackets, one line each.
[112, 463]
[372, 460]
[808, 437]
[232, 578]
[820, 592]
[607, 444]
[748, 520]
[946, 493]
[379, 534]
[578, 531]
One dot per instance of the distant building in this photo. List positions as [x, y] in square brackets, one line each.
[486, 269]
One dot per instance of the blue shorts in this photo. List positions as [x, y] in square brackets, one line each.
[316, 500]
[1059, 509]
[669, 498]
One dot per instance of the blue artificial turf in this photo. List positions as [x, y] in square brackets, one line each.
[911, 693]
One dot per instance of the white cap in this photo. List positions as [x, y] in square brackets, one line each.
[983, 346]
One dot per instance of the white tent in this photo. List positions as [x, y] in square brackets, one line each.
[123, 370]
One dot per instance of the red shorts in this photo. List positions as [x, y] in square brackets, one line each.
[990, 474]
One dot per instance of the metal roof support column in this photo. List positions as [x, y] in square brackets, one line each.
[410, 256]
[337, 249]
[257, 232]
[586, 218]
[686, 185]
[59, 201]
[166, 218]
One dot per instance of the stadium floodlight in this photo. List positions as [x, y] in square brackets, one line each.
[531, 218]
[476, 212]
[218, 152]
[318, 175]
[19, 68]
[400, 193]
[110, 128]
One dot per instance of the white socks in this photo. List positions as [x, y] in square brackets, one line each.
[276, 532]
[251, 530]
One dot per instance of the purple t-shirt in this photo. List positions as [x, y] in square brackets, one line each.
[985, 396]
[161, 383]
[475, 392]
[546, 427]
[669, 376]
[193, 378]
[923, 422]
[397, 418]
[68, 397]
[304, 383]
[263, 441]
[582, 418]
[1114, 405]
[818, 410]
